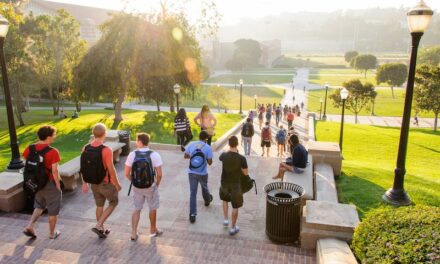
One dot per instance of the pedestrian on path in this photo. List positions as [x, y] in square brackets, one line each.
[182, 129]
[281, 141]
[260, 119]
[302, 106]
[266, 139]
[278, 115]
[247, 132]
[233, 169]
[98, 170]
[285, 111]
[298, 162]
[268, 113]
[199, 154]
[143, 168]
[416, 119]
[290, 118]
[207, 122]
[49, 194]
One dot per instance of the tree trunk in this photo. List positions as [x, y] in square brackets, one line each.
[356, 118]
[52, 101]
[171, 102]
[78, 106]
[435, 121]
[365, 74]
[18, 103]
[158, 105]
[392, 91]
[121, 98]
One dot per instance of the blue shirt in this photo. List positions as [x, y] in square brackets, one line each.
[207, 151]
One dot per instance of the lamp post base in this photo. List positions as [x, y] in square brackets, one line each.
[324, 118]
[15, 165]
[396, 198]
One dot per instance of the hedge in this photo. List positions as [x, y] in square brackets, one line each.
[399, 235]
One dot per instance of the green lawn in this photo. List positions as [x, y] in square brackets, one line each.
[335, 77]
[74, 133]
[251, 79]
[385, 104]
[369, 160]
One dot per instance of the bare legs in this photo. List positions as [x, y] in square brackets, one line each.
[282, 169]
[135, 222]
[234, 214]
[102, 215]
[35, 215]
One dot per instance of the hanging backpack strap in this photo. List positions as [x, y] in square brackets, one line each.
[255, 184]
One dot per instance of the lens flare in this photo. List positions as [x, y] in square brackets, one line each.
[177, 34]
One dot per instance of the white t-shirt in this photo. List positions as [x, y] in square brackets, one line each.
[155, 158]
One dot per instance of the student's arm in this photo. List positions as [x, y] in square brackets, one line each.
[244, 166]
[209, 157]
[245, 171]
[197, 118]
[111, 170]
[127, 172]
[209, 161]
[56, 175]
[128, 165]
[214, 120]
[85, 186]
[158, 175]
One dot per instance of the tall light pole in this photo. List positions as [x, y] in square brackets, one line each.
[241, 96]
[255, 101]
[418, 21]
[16, 163]
[324, 117]
[176, 88]
[344, 96]
[320, 109]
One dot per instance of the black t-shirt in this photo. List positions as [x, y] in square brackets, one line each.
[233, 162]
[300, 156]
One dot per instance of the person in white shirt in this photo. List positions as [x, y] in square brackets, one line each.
[146, 190]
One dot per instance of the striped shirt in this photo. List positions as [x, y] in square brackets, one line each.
[181, 124]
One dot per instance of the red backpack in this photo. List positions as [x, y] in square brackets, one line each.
[265, 134]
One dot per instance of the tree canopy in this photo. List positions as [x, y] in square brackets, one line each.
[364, 63]
[430, 55]
[427, 90]
[349, 55]
[394, 74]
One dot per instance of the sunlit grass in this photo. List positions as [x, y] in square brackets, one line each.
[251, 79]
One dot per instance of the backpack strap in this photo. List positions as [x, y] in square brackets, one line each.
[32, 148]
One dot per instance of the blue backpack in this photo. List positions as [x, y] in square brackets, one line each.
[197, 159]
[281, 136]
[142, 171]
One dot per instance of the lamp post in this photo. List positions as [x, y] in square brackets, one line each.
[176, 88]
[344, 96]
[241, 96]
[255, 101]
[16, 163]
[324, 117]
[418, 20]
[320, 108]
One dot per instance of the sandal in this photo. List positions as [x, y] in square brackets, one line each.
[157, 233]
[55, 235]
[134, 238]
[30, 234]
[100, 233]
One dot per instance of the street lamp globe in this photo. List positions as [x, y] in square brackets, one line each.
[320, 100]
[176, 88]
[241, 81]
[344, 94]
[4, 26]
[218, 85]
[255, 97]
[419, 17]
[326, 85]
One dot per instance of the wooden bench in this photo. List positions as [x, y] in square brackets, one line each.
[304, 180]
[11, 192]
[333, 251]
[325, 186]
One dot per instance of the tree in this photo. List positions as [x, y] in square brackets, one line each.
[360, 95]
[247, 52]
[430, 55]
[394, 74]
[219, 95]
[427, 90]
[349, 55]
[364, 63]
[233, 65]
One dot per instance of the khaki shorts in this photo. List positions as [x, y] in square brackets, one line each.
[150, 194]
[105, 191]
[49, 198]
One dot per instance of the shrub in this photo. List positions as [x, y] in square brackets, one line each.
[399, 235]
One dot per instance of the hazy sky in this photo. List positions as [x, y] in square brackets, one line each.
[233, 10]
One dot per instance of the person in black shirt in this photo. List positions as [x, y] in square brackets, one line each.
[299, 159]
[234, 167]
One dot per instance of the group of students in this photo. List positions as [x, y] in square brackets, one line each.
[143, 168]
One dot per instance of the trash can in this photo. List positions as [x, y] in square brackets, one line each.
[124, 137]
[283, 211]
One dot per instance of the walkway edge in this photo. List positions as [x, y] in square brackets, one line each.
[221, 141]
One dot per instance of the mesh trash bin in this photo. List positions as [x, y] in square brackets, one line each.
[124, 137]
[283, 211]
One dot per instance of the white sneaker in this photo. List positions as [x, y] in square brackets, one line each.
[234, 230]
[226, 222]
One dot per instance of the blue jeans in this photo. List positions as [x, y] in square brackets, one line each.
[194, 180]
[247, 141]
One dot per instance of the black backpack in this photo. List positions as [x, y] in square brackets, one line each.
[92, 166]
[247, 130]
[197, 159]
[247, 183]
[142, 171]
[35, 174]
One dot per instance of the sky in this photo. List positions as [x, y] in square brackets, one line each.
[233, 11]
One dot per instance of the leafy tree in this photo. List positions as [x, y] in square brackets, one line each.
[394, 74]
[247, 52]
[364, 63]
[360, 95]
[219, 95]
[427, 90]
[430, 55]
[349, 55]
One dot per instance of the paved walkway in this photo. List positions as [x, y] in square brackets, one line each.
[390, 121]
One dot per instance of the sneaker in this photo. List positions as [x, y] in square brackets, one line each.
[157, 233]
[182, 148]
[192, 218]
[210, 200]
[234, 230]
[226, 222]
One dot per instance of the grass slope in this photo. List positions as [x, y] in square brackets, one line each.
[252, 79]
[370, 154]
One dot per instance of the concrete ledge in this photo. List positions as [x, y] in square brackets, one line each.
[311, 126]
[331, 216]
[11, 192]
[325, 183]
[116, 148]
[326, 152]
[304, 179]
[221, 141]
[334, 251]
[69, 173]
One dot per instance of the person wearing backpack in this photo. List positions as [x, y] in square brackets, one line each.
[247, 132]
[260, 118]
[268, 113]
[199, 154]
[278, 115]
[281, 141]
[143, 168]
[290, 118]
[42, 178]
[98, 170]
[266, 138]
[234, 168]
[182, 129]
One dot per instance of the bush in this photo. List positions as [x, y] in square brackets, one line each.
[399, 235]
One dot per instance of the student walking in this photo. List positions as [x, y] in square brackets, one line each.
[182, 129]
[281, 141]
[233, 169]
[207, 122]
[247, 132]
[285, 111]
[266, 139]
[199, 154]
[268, 113]
[143, 168]
[290, 118]
[97, 169]
[260, 119]
[48, 191]
[278, 114]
